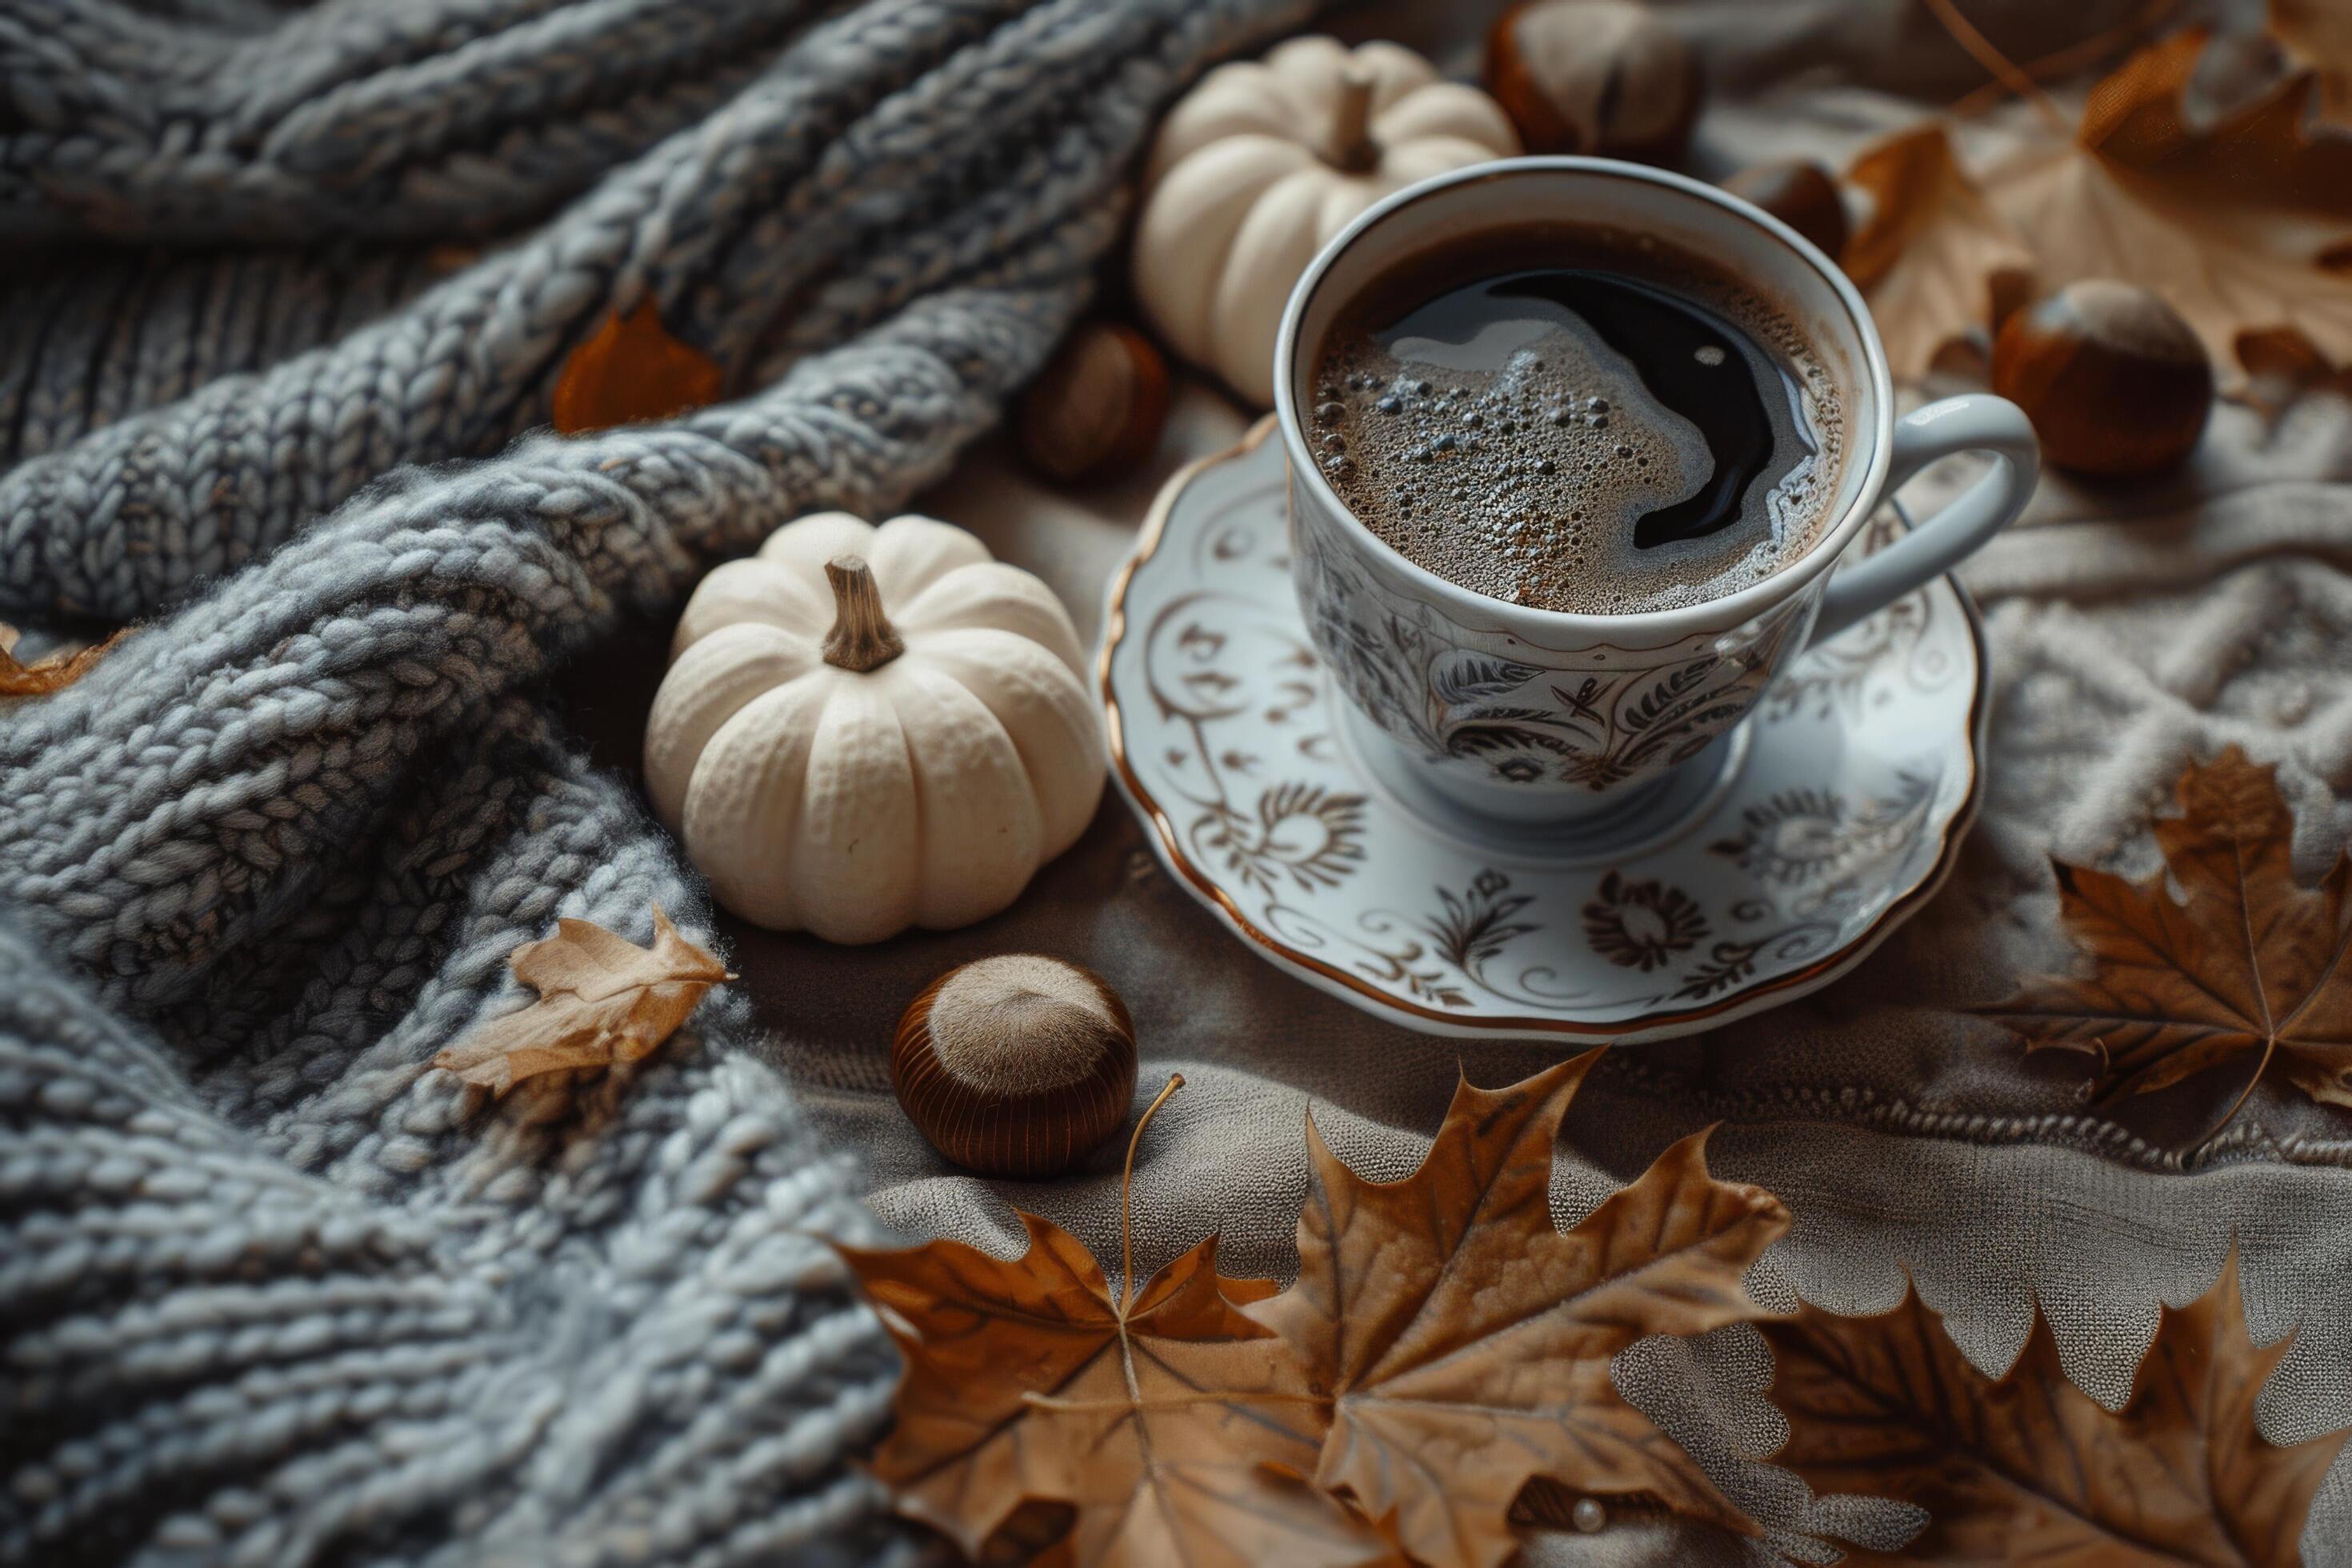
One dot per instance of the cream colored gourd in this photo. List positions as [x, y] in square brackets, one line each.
[865, 729]
[1263, 163]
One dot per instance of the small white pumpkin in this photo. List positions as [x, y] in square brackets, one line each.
[865, 729]
[1264, 162]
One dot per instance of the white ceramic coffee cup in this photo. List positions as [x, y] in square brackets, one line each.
[1515, 715]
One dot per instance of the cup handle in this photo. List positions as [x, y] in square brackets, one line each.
[1974, 422]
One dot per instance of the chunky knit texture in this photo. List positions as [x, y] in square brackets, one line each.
[890, 152]
[272, 1288]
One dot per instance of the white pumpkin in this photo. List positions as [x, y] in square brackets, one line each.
[865, 729]
[1263, 163]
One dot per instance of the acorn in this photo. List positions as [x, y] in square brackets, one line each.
[1098, 407]
[1016, 1065]
[1601, 76]
[1800, 194]
[2115, 382]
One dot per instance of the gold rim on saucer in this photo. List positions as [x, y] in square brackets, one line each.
[1739, 999]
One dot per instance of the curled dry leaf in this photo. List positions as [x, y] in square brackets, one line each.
[2027, 1468]
[52, 671]
[2244, 226]
[2245, 963]
[2318, 33]
[1936, 260]
[632, 371]
[602, 999]
[1445, 1343]
[2281, 364]
[1465, 1340]
[1176, 1428]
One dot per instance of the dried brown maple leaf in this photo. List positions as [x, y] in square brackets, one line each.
[2028, 1467]
[1176, 1428]
[631, 371]
[1466, 1339]
[2244, 226]
[602, 999]
[2244, 963]
[1935, 259]
[50, 673]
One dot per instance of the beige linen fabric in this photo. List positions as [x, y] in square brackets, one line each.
[2131, 628]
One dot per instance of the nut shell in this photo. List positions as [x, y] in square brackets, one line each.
[1016, 1065]
[1800, 194]
[1600, 77]
[1098, 407]
[2115, 382]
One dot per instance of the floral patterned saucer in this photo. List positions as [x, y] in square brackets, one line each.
[1859, 776]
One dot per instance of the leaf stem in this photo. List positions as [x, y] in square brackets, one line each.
[2004, 70]
[2084, 52]
[2270, 1049]
[1126, 1196]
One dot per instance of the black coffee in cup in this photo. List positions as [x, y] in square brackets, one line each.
[1577, 419]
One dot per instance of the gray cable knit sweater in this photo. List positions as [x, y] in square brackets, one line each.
[272, 1289]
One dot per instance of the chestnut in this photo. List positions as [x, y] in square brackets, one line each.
[1600, 77]
[1800, 194]
[1098, 407]
[1016, 1065]
[2115, 383]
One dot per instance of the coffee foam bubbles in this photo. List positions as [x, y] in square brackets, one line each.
[1516, 456]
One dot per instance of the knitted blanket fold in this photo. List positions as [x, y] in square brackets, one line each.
[273, 1289]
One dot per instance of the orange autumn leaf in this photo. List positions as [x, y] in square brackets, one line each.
[603, 1000]
[2027, 1468]
[1445, 1343]
[2245, 226]
[1175, 1429]
[51, 672]
[1465, 1340]
[630, 372]
[1935, 260]
[2246, 963]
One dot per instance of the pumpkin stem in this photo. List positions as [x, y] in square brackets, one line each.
[1352, 147]
[862, 637]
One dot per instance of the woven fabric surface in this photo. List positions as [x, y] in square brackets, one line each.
[272, 1289]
